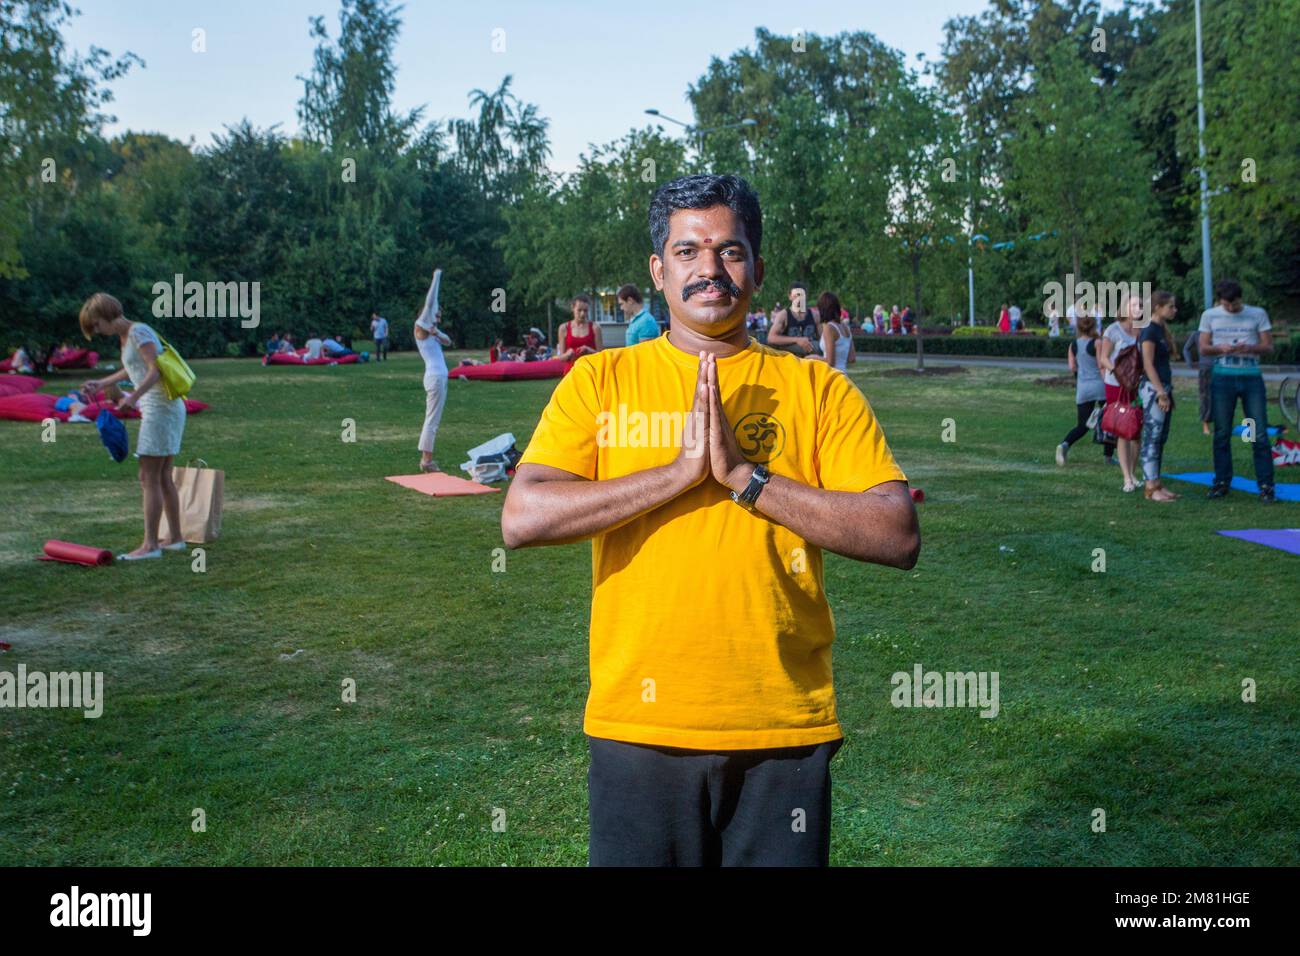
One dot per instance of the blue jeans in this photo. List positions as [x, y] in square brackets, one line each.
[1224, 392]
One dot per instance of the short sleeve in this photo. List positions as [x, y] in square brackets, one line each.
[565, 436]
[852, 454]
[1264, 324]
[142, 334]
[1205, 323]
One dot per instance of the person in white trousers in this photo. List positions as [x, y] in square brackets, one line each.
[430, 340]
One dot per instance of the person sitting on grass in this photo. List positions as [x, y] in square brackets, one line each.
[535, 349]
[75, 401]
[334, 348]
[314, 347]
[20, 362]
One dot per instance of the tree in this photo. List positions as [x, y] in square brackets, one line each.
[1075, 164]
[50, 115]
[506, 146]
[347, 100]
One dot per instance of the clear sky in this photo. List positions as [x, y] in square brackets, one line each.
[591, 67]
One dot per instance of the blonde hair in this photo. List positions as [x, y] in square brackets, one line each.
[101, 305]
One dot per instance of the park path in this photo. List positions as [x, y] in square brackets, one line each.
[1272, 373]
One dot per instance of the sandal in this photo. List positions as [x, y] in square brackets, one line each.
[155, 553]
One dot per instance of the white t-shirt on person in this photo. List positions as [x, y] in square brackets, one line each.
[1120, 340]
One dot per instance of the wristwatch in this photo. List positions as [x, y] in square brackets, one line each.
[749, 495]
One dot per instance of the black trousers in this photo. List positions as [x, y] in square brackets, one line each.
[665, 806]
[1084, 411]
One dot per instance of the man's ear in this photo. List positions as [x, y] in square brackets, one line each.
[759, 267]
[657, 272]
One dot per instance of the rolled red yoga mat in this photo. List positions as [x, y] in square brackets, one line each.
[918, 495]
[76, 553]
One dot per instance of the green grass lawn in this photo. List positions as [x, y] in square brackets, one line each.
[1119, 690]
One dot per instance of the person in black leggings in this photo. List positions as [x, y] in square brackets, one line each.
[1089, 388]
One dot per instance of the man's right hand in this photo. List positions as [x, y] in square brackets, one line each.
[805, 342]
[693, 459]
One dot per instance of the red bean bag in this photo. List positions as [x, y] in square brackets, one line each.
[38, 406]
[296, 358]
[19, 385]
[77, 358]
[513, 371]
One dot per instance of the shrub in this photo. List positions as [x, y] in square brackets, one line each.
[1014, 346]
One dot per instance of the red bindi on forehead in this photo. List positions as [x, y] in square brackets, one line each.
[707, 240]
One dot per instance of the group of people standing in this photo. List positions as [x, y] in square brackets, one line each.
[823, 334]
[1231, 334]
[895, 322]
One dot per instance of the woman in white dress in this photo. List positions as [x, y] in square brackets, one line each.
[837, 339]
[162, 420]
[430, 340]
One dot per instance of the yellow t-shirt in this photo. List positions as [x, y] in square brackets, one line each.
[709, 624]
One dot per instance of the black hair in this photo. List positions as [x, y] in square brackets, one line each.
[704, 191]
[629, 291]
[798, 285]
[1227, 290]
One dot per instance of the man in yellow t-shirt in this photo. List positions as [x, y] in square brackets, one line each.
[710, 473]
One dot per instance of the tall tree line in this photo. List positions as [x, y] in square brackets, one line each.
[1050, 137]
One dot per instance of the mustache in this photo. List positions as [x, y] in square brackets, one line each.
[722, 285]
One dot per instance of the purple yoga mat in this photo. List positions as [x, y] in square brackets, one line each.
[1284, 539]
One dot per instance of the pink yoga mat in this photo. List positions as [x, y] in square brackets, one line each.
[76, 553]
[440, 485]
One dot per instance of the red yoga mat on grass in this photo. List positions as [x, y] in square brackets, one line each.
[71, 553]
[441, 485]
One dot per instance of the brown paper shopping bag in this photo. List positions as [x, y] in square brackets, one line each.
[202, 493]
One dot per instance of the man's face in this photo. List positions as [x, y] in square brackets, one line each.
[630, 307]
[580, 311]
[530, 340]
[708, 272]
[799, 300]
[1234, 306]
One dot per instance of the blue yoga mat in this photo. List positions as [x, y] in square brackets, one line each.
[1284, 539]
[1284, 492]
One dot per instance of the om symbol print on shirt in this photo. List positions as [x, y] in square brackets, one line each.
[760, 437]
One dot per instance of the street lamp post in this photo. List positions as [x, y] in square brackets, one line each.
[1206, 280]
[699, 131]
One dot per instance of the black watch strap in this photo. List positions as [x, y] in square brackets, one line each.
[746, 497]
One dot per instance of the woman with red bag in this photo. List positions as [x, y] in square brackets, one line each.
[1118, 338]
